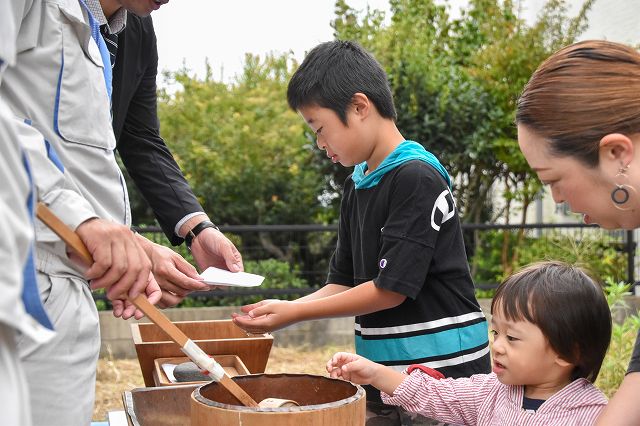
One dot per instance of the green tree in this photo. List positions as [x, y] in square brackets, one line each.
[455, 84]
[247, 156]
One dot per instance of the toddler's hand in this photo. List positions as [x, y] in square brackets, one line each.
[352, 367]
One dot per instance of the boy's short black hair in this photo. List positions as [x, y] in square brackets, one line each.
[333, 72]
[567, 305]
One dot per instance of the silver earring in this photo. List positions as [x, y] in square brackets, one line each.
[622, 192]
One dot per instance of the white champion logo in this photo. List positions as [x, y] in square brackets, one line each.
[383, 263]
[443, 209]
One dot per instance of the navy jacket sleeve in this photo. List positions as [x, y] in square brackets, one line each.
[144, 153]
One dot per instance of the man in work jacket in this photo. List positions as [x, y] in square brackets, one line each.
[16, 228]
[59, 85]
[16, 244]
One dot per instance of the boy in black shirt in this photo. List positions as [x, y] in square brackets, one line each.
[399, 266]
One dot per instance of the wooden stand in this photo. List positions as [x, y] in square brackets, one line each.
[220, 337]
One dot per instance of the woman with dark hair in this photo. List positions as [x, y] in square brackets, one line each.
[579, 129]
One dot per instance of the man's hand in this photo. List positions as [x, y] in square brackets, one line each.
[211, 248]
[125, 309]
[267, 316]
[120, 265]
[176, 276]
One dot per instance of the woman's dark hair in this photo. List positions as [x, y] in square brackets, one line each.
[333, 72]
[580, 94]
[567, 305]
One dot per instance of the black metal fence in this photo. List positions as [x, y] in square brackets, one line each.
[309, 248]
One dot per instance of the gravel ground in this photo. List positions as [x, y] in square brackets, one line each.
[115, 376]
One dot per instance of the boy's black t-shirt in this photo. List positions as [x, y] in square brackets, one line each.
[405, 235]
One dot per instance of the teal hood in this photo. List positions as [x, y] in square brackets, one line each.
[406, 151]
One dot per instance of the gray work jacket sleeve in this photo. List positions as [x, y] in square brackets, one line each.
[16, 229]
[57, 86]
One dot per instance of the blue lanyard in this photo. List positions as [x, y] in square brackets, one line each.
[102, 46]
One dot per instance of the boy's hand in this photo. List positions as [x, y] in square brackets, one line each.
[352, 367]
[267, 316]
[248, 308]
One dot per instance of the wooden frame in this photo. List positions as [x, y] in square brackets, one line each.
[218, 337]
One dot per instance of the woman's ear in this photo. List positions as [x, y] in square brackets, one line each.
[617, 148]
[361, 104]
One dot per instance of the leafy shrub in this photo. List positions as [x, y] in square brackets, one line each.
[623, 337]
[601, 257]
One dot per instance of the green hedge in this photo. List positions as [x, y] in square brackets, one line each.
[595, 254]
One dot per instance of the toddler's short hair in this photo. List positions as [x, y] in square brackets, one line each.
[567, 305]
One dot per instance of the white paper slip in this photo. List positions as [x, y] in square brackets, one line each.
[168, 370]
[217, 276]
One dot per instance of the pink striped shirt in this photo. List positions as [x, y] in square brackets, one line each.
[482, 400]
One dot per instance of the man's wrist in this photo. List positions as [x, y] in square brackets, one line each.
[188, 222]
[190, 237]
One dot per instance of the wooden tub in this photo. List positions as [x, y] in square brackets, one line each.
[322, 401]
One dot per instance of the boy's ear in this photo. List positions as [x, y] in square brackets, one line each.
[361, 104]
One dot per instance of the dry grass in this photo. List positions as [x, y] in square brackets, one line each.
[115, 376]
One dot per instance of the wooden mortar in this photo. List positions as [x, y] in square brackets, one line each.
[322, 401]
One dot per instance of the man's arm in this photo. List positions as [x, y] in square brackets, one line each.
[147, 158]
[120, 264]
[155, 172]
[144, 153]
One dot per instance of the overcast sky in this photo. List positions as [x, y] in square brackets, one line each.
[223, 31]
[189, 31]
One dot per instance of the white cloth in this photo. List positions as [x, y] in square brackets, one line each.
[62, 373]
[10, 16]
[57, 85]
[13, 386]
